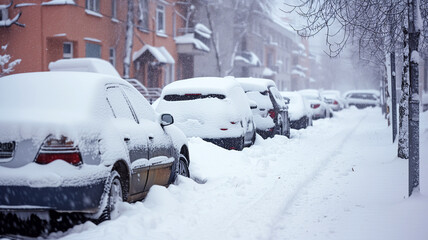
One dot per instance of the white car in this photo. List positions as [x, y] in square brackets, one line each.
[271, 113]
[363, 98]
[78, 143]
[214, 109]
[298, 110]
[320, 109]
[334, 99]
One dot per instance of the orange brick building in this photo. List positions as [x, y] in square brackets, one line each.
[59, 29]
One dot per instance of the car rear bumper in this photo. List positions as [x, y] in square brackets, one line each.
[86, 198]
[235, 143]
[300, 123]
[266, 133]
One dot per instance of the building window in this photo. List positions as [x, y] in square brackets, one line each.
[3, 14]
[112, 57]
[160, 19]
[93, 5]
[113, 9]
[143, 17]
[93, 50]
[67, 50]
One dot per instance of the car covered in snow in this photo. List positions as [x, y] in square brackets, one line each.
[363, 98]
[298, 110]
[271, 114]
[320, 109]
[212, 108]
[80, 142]
[334, 99]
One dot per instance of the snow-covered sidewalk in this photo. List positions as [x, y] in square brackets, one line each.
[337, 180]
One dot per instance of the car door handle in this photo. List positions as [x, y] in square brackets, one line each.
[151, 137]
[126, 139]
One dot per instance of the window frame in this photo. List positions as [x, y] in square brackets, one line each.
[88, 43]
[67, 55]
[112, 57]
[143, 23]
[4, 14]
[114, 9]
[160, 9]
[93, 5]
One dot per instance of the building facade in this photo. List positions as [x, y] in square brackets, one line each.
[44, 31]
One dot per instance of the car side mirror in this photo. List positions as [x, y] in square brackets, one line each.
[166, 119]
[253, 105]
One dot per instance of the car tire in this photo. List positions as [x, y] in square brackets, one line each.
[253, 139]
[183, 166]
[114, 197]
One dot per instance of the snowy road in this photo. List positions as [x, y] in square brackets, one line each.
[337, 180]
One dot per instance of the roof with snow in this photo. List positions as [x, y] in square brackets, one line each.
[160, 53]
[249, 58]
[189, 38]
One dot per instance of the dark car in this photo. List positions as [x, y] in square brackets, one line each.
[271, 114]
[76, 143]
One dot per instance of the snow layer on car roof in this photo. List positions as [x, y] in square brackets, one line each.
[201, 85]
[255, 84]
[52, 95]
[94, 65]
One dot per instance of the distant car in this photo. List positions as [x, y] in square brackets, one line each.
[334, 99]
[320, 109]
[362, 99]
[271, 114]
[298, 110]
[78, 143]
[214, 109]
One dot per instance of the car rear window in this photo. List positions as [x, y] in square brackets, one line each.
[192, 96]
[363, 96]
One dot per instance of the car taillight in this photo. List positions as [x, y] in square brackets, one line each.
[315, 106]
[335, 102]
[59, 149]
[223, 129]
[272, 113]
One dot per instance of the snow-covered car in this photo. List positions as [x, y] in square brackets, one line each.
[298, 110]
[271, 114]
[79, 142]
[320, 109]
[334, 99]
[212, 108]
[362, 98]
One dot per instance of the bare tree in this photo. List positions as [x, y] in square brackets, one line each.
[368, 20]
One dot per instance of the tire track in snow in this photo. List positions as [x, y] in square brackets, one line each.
[280, 197]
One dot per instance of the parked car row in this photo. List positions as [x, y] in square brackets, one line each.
[226, 111]
[80, 139]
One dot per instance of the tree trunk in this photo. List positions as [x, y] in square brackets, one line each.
[403, 126]
[214, 41]
[414, 33]
[129, 37]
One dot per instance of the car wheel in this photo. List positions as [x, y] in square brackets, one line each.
[183, 168]
[253, 139]
[114, 197]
